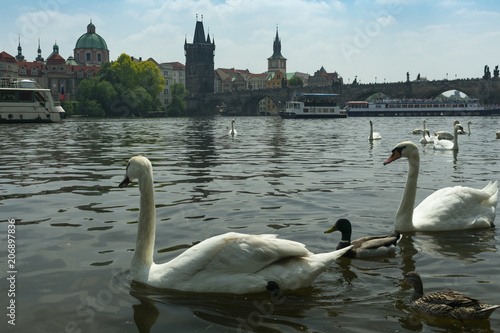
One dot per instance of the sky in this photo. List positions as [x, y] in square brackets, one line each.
[375, 41]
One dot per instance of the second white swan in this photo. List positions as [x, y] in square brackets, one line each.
[229, 263]
[373, 135]
[450, 208]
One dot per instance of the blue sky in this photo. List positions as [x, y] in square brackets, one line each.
[373, 40]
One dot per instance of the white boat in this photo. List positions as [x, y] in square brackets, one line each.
[420, 107]
[313, 106]
[24, 101]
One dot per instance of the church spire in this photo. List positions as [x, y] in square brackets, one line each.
[277, 46]
[20, 56]
[39, 57]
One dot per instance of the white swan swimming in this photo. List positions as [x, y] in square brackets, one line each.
[450, 208]
[229, 263]
[445, 135]
[373, 135]
[233, 131]
[426, 138]
[468, 128]
[444, 144]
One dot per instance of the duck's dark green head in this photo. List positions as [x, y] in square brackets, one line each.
[342, 225]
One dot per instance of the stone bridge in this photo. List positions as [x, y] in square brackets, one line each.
[246, 102]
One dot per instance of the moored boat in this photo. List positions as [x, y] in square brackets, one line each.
[313, 106]
[24, 101]
[420, 107]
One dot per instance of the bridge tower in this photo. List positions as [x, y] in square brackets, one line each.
[276, 62]
[199, 62]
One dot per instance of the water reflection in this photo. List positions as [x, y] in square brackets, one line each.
[256, 312]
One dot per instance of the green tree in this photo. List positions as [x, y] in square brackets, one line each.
[91, 108]
[123, 88]
[296, 81]
[177, 107]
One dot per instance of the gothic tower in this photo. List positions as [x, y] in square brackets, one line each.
[276, 62]
[200, 62]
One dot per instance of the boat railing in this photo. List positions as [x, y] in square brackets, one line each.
[9, 82]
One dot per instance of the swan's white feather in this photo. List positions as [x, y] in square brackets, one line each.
[457, 207]
[442, 144]
[228, 263]
[239, 263]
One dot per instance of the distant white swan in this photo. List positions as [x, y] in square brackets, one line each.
[229, 263]
[426, 138]
[233, 131]
[445, 135]
[450, 208]
[373, 135]
[447, 144]
[468, 127]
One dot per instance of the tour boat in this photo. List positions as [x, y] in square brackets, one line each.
[420, 107]
[313, 106]
[24, 101]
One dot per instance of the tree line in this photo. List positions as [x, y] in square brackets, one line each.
[125, 88]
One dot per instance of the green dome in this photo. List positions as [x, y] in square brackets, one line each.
[91, 40]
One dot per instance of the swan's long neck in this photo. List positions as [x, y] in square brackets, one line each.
[423, 132]
[144, 248]
[404, 215]
[455, 139]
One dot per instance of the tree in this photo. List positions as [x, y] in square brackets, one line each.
[123, 88]
[177, 106]
[296, 81]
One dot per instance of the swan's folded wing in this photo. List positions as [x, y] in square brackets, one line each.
[238, 253]
[460, 206]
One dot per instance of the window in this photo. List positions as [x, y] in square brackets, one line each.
[88, 56]
[25, 96]
[99, 57]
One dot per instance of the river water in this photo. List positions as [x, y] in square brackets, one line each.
[75, 229]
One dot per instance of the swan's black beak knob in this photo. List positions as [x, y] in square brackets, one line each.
[124, 182]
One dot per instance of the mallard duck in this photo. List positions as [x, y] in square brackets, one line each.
[449, 304]
[371, 246]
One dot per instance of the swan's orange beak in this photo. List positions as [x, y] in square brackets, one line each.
[395, 155]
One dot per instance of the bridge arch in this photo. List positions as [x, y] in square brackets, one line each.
[245, 102]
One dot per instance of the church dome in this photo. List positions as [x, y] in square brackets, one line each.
[91, 40]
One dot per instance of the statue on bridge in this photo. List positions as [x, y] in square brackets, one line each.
[487, 73]
[407, 76]
[496, 72]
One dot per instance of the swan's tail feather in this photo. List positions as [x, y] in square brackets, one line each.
[492, 190]
[330, 257]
